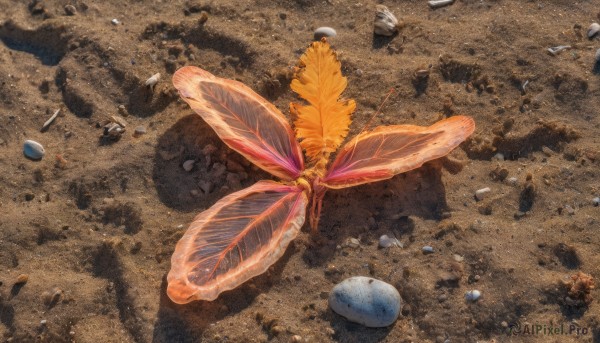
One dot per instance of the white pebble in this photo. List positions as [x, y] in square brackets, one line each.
[596, 201]
[512, 180]
[153, 80]
[324, 32]
[140, 130]
[353, 243]
[598, 55]
[33, 150]
[557, 49]
[367, 301]
[440, 3]
[115, 21]
[188, 165]
[472, 295]
[427, 249]
[43, 322]
[386, 242]
[499, 157]
[593, 30]
[385, 23]
[480, 194]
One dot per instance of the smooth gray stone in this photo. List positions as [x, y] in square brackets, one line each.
[33, 150]
[367, 301]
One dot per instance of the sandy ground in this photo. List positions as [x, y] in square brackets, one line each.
[93, 224]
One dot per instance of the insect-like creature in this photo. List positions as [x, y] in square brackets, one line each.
[244, 233]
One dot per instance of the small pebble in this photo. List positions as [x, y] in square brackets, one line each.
[512, 180]
[152, 80]
[593, 30]
[21, 279]
[115, 21]
[367, 301]
[296, 338]
[188, 165]
[596, 201]
[386, 242]
[140, 130]
[43, 322]
[440, 3]
[555, 50]
[458, 258]
[498, 157]
[324, 32]
[206, 186]
[472, 295]
[70, 10]
[385, 23]
[480, 194]
[353, 243]
[598, 55]
[33, 150]
[427, 250]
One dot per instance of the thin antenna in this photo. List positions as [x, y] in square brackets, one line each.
[377, 112]
[371, 119]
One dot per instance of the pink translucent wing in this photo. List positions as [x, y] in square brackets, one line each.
[236, 239]
[390, 150]
[244, 120]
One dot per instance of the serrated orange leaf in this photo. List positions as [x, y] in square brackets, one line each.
[323, 123]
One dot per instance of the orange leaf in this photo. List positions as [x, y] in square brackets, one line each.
[323, 124]
[236, 239]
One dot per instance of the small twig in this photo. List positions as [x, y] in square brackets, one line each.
[49, 121]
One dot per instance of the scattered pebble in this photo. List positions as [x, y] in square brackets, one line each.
[188, 165]
[50, 120]
[480, 194]
[206, 186]
[458, 258]
[123, 110]
[33, 150]
[70, 10]
[593, 30]
[386, 242]
[140, 130]
[352, 243]
[555, 50]
[113, 131]
[512, 180]
[472, 295]
[115, 21]
[596, 201]
[296, 338]
[152, 80]
[22, 279]
[119, 120]
[440, 3]
[385, 23]
[43, 322]
[324, 31]
[367, 301]
[427, 250]
[498, 157]
[598, 55]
